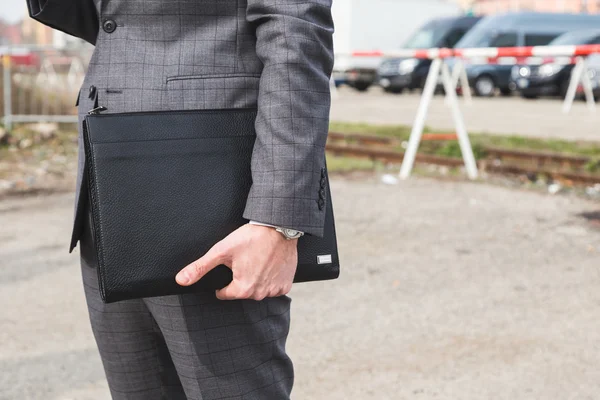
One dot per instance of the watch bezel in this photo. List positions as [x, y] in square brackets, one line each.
[290, 233]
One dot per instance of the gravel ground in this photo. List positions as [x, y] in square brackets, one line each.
[541, 118]
[449, 290]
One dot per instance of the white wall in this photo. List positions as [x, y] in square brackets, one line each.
[383, 24]
[342, 19]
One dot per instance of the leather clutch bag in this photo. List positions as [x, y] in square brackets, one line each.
[164, 187]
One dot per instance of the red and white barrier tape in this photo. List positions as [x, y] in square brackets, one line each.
[494, 55]
[535, 51]
[407, 53]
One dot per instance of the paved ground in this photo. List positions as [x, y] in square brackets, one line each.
[539, 118]
[449, 290]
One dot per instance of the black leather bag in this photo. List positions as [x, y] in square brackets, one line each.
[164, 187]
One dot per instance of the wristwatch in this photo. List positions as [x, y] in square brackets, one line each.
[287, 233]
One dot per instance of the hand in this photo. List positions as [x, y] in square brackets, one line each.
[262, 260]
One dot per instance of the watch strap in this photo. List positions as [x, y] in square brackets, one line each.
[272, 226]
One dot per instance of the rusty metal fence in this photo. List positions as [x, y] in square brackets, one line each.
[40, 84]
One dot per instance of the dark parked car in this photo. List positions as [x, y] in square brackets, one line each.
[552, 79]
[397, 74]
[514, 30]
[360, 78]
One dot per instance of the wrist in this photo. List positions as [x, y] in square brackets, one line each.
[287, 233]
[273, 234]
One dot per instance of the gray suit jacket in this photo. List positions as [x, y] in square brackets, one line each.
[276, 55]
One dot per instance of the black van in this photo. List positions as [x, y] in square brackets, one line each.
[396, 74]
[552, 79]
[515, 30]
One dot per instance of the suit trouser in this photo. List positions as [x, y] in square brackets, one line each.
[190, 346]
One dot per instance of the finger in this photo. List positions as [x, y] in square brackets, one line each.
[285, 290]
[193, 272]
[233, 291]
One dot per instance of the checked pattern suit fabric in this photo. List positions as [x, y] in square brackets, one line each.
[276, 55]
[155, 55]
[190, 346]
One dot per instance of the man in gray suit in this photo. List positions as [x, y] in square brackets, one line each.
[154, 55]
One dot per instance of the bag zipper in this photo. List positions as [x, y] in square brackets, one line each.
[97, 110]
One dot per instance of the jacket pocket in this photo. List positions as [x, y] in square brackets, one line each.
[197, 92]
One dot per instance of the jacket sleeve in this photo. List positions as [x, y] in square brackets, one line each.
[294, 42]
[74, 17]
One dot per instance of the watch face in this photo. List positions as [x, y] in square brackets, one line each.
[291, 232]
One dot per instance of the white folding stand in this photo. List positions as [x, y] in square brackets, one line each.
[580, 75]
[459, 73]
[437, 66]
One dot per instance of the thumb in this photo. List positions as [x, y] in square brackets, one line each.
[193, 272]
[233, 291]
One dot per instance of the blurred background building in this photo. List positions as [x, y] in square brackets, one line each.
[33, 32]
[36, 33]
[10, 33]
[17, 30]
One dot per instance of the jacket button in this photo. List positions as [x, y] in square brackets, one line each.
[109, 26]
[321, 203]
[322, 193]
[92, 92]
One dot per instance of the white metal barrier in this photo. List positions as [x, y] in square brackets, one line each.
[438, 66]
[511, 55]
[580, 75]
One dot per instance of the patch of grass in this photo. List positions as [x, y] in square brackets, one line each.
[479, 141]
[550, 145]
[451, 149]
[397, 131]
[593, 165]
[346, 164]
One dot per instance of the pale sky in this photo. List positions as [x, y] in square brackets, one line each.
[12, 10]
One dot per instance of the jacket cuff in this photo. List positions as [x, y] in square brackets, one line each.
[304, 212]
[252, 222]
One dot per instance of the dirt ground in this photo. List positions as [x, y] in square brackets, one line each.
[449, 290]
[541, 118]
